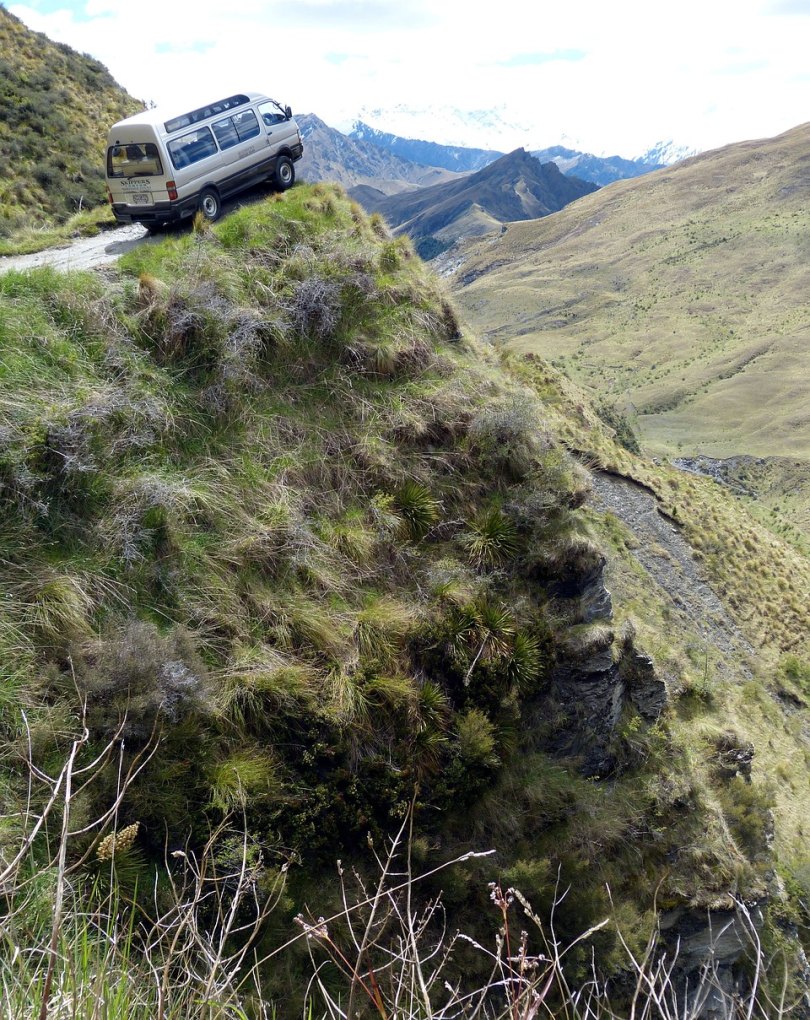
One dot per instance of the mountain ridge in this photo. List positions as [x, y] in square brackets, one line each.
[587, 166]
[514, 187]
[460, 158]
[329, 155]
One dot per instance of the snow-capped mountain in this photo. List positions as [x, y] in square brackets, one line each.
[484, 129]
[497, 128]
[451, 157]
[666, 153]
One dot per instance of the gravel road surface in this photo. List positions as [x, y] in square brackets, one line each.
[86, 253]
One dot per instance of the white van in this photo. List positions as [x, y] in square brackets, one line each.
[164, 166]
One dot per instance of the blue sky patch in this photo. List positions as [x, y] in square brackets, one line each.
[77, 8]
[191, 47]
[530, 59]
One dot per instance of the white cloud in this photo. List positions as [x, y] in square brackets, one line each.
[704, 72]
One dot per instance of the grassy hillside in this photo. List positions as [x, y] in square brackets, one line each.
[55, 109]
[268, 512]
[681, 298]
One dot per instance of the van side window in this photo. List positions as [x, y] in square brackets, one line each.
[271, 114]
[233, 130]
[226, 133]
[191, 148]
[204, 112]
[246, 124]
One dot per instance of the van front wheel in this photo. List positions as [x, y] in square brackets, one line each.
[285, 173]
[210, 204]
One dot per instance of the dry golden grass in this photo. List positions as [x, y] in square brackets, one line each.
[680, 296]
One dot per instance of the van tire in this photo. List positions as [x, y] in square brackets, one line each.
[210, 204]
[284, 176]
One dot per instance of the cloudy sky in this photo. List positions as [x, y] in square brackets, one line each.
[611, 76]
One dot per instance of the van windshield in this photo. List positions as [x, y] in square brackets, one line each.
[141, 160]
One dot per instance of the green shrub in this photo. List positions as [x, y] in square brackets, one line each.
[475, 735]
[624, 433]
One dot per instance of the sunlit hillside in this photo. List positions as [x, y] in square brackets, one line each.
[681, 298]
[55, 109]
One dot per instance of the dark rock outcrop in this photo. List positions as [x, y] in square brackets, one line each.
[733, 756]
[594, 682]
[646, 691]
[712, 948]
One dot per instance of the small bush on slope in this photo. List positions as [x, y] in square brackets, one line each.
[265, 471]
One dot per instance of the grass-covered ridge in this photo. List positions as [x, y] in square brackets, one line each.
[261, 494]
[253, 483]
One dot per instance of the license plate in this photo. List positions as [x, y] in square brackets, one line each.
[141, 198]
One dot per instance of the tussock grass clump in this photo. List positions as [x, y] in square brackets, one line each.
[136, 676]
[506, 434]
[417, 508]
[492, 538]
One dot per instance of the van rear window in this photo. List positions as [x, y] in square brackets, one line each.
[141, 160]
[191, 148]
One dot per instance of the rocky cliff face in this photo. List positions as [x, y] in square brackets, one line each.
[595, 678]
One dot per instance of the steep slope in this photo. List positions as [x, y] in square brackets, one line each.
[514, 187]
[55, 108]
[681, 296]
[261, 495]
[332, 156]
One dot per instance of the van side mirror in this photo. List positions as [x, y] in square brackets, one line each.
[287, 112]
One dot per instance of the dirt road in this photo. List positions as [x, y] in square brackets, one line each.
[89, 252]
[86, 253]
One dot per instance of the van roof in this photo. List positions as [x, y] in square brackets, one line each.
[159, 115]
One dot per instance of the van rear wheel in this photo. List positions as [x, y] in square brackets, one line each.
[285, 173]
[210, 204]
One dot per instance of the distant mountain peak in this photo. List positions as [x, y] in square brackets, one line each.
[666, 153]
[460, 159]
[599, 170]
[516, 186]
